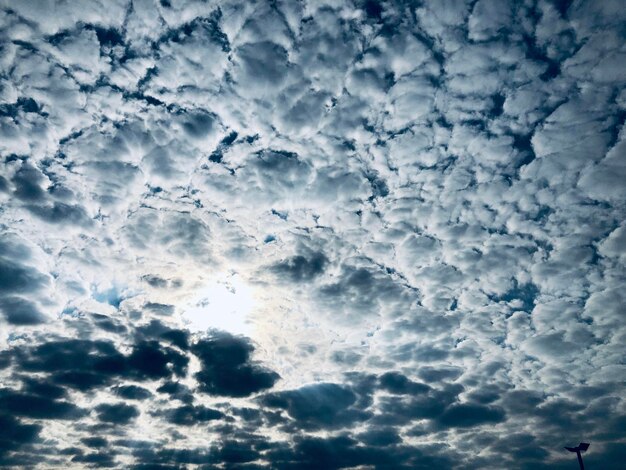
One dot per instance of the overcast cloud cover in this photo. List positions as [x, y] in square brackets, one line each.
[423, 201]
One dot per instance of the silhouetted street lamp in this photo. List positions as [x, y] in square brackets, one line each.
[583, 446]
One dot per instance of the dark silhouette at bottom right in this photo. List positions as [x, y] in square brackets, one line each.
[583, 446]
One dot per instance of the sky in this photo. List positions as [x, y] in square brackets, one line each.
[312, 234]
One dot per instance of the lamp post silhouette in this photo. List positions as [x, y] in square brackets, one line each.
[583, 446]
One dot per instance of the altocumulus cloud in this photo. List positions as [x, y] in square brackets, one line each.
[425, 201]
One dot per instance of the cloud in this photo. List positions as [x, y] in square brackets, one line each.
[85, 365]
[95, 442]
[397, 383]
[95, 459]
[318, 406]
[15, 434]
[227, 368]
[18, 279]
[117, 413]
[191, 415]
[465, 415]
[425, 202]
[37, 406]
[150, 360]
[18, 311]
[301, 268]
[177, 391]
[132, 392]
[342, 452]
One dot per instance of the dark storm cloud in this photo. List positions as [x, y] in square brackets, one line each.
[304, 452]
[132, 392]
[96, 459]
[38, 386]
[151, 360]
[397, 383]
[14, 434]
[157, 330]
[164, 457]
[318, 406]
[236, 454]
[95, 442]
[19, 311]
[396, 412]
[380, 437]
[79, 364]
[344, 452]
[116, 413]
[177, 391]
[227, 368]
[468, 415]
[190, 415]
[86, 365]
[155, 466]
[36, 406]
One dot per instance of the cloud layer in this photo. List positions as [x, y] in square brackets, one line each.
[427, 199]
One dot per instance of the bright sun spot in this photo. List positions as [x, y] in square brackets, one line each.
[223, 304]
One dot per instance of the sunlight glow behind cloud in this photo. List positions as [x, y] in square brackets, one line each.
[224, 303]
